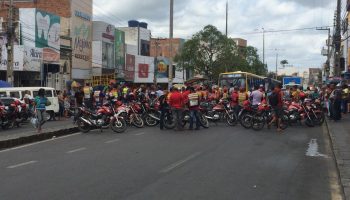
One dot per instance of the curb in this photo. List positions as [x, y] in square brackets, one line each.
[5, 144]
[337, 162]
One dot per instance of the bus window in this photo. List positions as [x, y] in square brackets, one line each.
[15, 94]
[35, 93]
[3, 94]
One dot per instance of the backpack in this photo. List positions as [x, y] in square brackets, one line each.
[273, 99]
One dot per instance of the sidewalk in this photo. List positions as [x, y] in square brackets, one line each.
[340, 136]
[27, 134]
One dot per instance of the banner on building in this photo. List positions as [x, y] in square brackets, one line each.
[162, 67]
[3, 55]
[143, 70]
[81, 33]
[129, 67]
[33, 58]
[47, 35]
[119, 44]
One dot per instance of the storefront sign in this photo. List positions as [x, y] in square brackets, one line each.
[143, 70]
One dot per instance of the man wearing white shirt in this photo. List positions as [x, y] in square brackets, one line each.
[257, 96]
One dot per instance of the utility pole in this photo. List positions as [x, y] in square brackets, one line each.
[10, 36]
[263, 46]
[276, 63]
[170, 74]
[328, 48]
[156, 62]
[226, 25]
[337, 39]
[226, 16]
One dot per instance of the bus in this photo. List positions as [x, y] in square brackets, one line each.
[245, 80]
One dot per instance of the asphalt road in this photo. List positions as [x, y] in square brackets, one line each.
[216, 163]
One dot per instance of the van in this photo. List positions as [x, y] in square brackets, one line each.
[19, 92]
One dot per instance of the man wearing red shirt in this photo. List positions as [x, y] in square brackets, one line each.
[234, 100]
[176, 102]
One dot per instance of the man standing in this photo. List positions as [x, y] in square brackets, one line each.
[275, 100]
[345, 98]
[257, 96]
[164, 108]
[193, 104]
[88, 95]
[176, 103]
[234, 100]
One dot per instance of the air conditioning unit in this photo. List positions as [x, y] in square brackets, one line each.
[324, 52]
[329, 42]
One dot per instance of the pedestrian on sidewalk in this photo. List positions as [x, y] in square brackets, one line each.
[345, 99]
[60, 104]
[40, 106]
[336, 97]
[177, 103]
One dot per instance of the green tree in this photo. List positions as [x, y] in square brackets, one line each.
[210, 53]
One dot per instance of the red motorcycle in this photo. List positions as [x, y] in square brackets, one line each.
[103, 118]
[131, 114]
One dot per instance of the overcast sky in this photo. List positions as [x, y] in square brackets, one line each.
[246, 19]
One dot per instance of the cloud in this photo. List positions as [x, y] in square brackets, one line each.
[311, 3]
[246, 18]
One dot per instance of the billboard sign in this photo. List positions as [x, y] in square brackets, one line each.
[162, 67]
[119, 45]
[47, 35]
[32, 59]
[143, 70]
[130, 67]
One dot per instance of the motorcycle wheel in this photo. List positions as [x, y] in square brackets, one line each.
[246, 121]
[169, 122]
[258, 123]
[138, 122]
[232, 119]
[203, 120]
[82, 126]
[151, 121]
[320, 118]
[119, 126]
[285, 122]
[309, 122]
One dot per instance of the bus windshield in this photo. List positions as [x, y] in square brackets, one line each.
[232, 80]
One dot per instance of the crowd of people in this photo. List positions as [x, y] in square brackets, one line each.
[334, 98]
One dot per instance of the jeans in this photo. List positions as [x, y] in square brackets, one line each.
[344, 106]
[194, 114]
[163, 112]
[41, 117]
[336, 110]
[177, 113]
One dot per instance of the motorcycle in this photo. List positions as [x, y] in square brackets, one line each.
[263, 115]
[103, 118]
[220, 111]
[131, 114]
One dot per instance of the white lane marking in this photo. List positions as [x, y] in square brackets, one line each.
[40, 142]
[22, 164]
[178, 163]
[137, 134]
[76, 150]
[111, 141]
[312, 151]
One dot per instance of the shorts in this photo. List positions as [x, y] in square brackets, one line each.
[278, 111]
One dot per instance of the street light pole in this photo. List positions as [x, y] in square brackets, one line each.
[263, 46]
[276, 64]
[170, 74]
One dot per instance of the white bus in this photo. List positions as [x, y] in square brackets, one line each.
[19, 92]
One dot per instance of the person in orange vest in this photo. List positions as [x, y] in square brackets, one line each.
[242, 96]
[88, 95]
